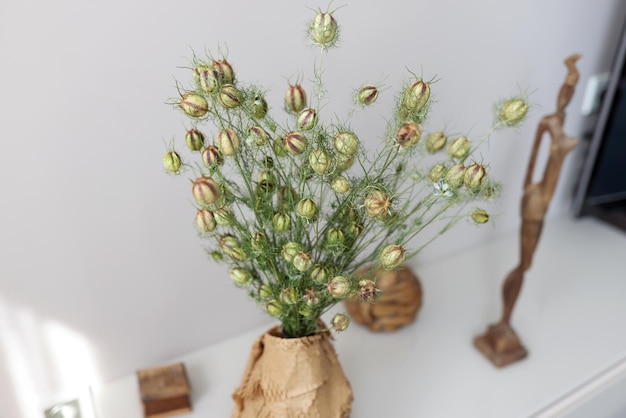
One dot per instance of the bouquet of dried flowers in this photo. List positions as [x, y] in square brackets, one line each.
[296, 209]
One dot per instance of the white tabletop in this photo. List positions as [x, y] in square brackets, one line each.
[571, 317]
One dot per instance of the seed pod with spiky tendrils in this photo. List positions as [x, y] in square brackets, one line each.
[455, 175]
[227, 142]
[172, 161]
[240, 276]
[230, 96]
[257, 136]
[194, 139]
[459, 148]
[435, 141]
[339, 287]
[295, 99]
[475, 176]
[340, 322]
[206, 191]
[512, 112]
[225, 72]
[324, 30]
[377, 204]
[408, 134]
[367, 95]
[319, 161]
[480, 216]
[206, 78]
[194, 105]
[339, 184]
[295, 143]
[436, 172]
[346, 143]
[205, 220]
[391, 256]
[212, 157]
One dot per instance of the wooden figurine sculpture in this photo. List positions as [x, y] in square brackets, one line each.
[500, 344]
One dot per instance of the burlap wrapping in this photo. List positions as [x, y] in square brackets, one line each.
[293, 378]
[398, 304]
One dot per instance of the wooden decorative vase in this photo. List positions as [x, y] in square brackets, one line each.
[293, 377]
[397, 305]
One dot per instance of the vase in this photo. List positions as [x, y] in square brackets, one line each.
[293, 378]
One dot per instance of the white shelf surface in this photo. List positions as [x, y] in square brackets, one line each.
[571, 316]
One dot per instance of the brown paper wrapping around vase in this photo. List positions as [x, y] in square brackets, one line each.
[293, 378]
[400, 299]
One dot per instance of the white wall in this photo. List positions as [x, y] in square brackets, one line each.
[98, 254]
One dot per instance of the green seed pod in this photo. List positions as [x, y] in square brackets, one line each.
[436, 172]
[217, 256]
[194, 105]
[335, 237]
[343, 162]
[324, 30]
[355, 229]
[319, 161]
[340, 185]
[171, 161]
[231, 247]
[259, 107]
[206, 191]
[295, 143]
[224, 70]
[279, 148]
[459, 148]
[290, 250]
[512, 111]
[288, 296]
[339, 287]
[295, 99]
[265, 292]
[281, 222]
[227, 142]
[307, 208]
[224, 216]
[415, 98]
[367, 95]
[480, 216]
[455, 175]
[346, 143]
[268, 162]
[258, 242]
[340, 322]
[274, 308]
[392, 256]
[205, 220]
[194, 139]
[206, 78]
[257, 136]
[377, 204]
[286, 198]
[474, 177]
[212, 156]
[319, 273]
[307, 118]
[302, 262]
[240, 276]
[310, 297]
[230, 96]
[408, 134]
[435, 141]
[266, 182]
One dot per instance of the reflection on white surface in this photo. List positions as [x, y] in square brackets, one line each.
[43, 359]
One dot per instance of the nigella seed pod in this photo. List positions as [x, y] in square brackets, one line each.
[319, 273]
[194, 105]
[240, 276]
[339, 287]
[205, 220]
[436, 172]
[392, 256]
[355, 229]
[265, 292]
[335, 237]
[295, 143]
[340, 185]
[224, 71]
[295, 99]
[459, 148]
[346, 143]
[290, 250]
[172, 161]
[319, 161]
[230, 96]
[257, 136]
[258, 242]
[435, 141]
[231, 247]
[324, 30]
[224, 216]
[307, 208]
[474, 177]
[212, 156]
[367, 95]
[340, 322]
[207, 78]
[408, 134]
[206, 191]
[307, 118]
[259, 107]
[367, 290]
[455, 175]
[286, 198]
[288, 296]
[310, 297]
[266, 182]
[512, 111]
[274, 308]
[281, 222]
[302, 262]
[227, 142]
[343, 162]
[416, 97]
[480, 216]
[194, 139]
[377, 204]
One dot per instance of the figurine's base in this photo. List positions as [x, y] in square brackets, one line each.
[500, 345]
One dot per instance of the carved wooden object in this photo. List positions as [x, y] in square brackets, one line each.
[164, 391]
[500, 344]
[397, 305]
